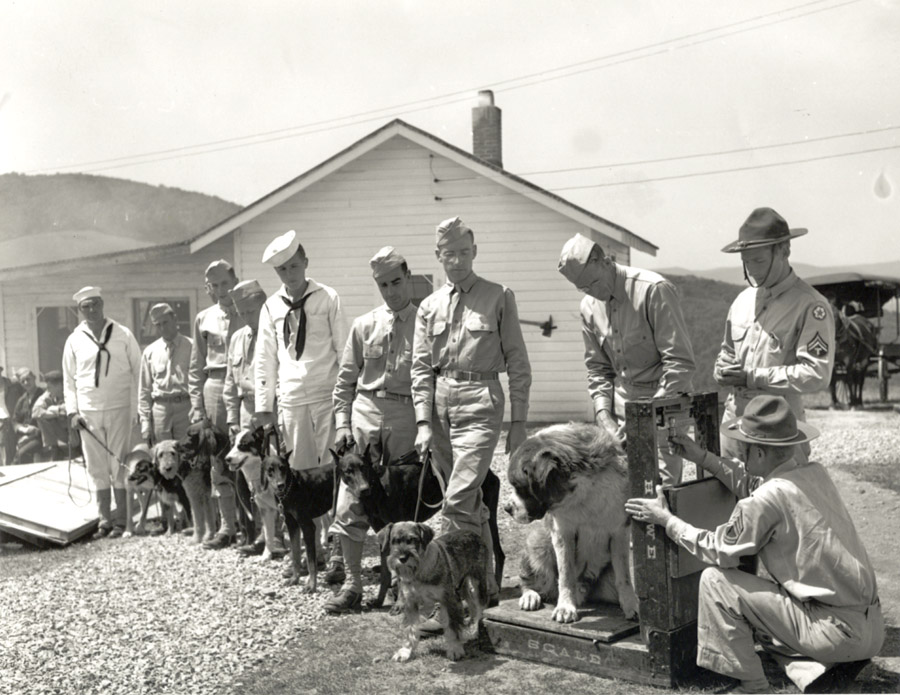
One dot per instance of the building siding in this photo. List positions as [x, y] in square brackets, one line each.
[395, 195]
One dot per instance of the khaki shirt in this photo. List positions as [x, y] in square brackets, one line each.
[783, 337]
[796, 522]
[310, 379]
[164, 372]
[377, 356]
[482, 335]
[638, 337]
[213, 329]
[239, 374]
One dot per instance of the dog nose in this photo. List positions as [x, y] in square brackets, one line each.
[509, 508]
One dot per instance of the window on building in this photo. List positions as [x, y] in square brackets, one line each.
[54, 324]
[422, 286]
[144, 330]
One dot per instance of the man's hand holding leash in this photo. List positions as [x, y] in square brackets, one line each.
[423, 439]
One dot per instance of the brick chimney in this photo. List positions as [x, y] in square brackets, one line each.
[487, 140]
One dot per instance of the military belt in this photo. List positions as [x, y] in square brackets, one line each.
[463, 375]
[171, 398]
[388, 395]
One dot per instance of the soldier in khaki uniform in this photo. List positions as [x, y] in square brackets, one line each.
[467, 332]
[373, 403]
[779, 335]
[636, 342]
[163, 401]
[213, 329]
[819, 605]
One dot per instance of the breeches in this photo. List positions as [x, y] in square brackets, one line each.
[113, 428]
[214, 401]
[386, 427]
[736, 607]
[171, 420]
[466, 423]
[309, 432]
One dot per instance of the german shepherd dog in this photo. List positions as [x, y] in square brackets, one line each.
[388, 493]
[574, 477]
[303, 495]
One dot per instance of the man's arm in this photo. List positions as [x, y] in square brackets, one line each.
[229, 390]
[515, 353]
[145, 394]
[69, 365]
[601, 373]
[338, 324]
[422, 376]
[197, 373]
[265, 363]
[731, 472]
[348, 374]
[814, 357]
[727, 370]
[673, 342]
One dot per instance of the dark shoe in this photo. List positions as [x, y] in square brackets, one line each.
[255, 548]
[117, 532]
[187, 531]
[334, 572]
[101, 532]
[344, 601]
[288, 571]
[278, 553]
[219, 541]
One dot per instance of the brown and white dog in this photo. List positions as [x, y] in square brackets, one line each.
[174, 461]
[444, 571]
[246, 455]
[574, 477]
[144, 478]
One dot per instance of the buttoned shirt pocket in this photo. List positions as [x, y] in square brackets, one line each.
[642, 353]
[739, 333]
[480, 324]
[373, 352]
[436, 327]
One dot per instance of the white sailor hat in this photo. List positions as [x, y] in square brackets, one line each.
[281, 249]
[385, 261]
[451, 230]
[574, 256]
[86, 293]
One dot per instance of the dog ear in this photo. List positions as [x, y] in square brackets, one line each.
[426, 533]
[384, 539]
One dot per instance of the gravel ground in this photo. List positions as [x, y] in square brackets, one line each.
[190, 620]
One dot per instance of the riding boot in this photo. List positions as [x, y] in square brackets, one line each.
[493, 590]
[121, 506]
[350, 596]
[104, 508]
[228, 514]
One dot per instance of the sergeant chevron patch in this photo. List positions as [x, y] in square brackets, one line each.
[817, 347]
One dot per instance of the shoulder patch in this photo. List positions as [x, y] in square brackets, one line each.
[819, 312]
[735, 527]
[817, 347]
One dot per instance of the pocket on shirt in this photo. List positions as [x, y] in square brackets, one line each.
[436, 328]
[237, 360]
[642, 353]
[373, 352]
[480, 324]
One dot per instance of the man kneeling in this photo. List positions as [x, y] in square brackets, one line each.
[822, 607]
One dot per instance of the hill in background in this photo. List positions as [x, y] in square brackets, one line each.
[103, 209]
[733, 274]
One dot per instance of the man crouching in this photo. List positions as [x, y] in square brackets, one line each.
[822, 607]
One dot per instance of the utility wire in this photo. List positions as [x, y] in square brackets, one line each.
[717, 153]
[529, 80]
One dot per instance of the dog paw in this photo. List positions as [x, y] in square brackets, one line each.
[530, 600]
[292, 581]
[455, 652]
[629, 605]
[565, 613]
[128, 534]
[402, 655]
[396, 609]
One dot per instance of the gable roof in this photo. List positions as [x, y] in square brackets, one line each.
[400, 128]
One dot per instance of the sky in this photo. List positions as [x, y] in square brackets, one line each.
[674, 120]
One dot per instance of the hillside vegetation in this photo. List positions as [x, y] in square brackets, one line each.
[33, 205]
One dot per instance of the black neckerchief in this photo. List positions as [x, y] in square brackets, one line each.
[301, 323]
[101, 348]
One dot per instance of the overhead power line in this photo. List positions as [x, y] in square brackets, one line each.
[509, 84]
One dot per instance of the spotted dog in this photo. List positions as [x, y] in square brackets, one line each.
[144, 478]
[443, 571]
[246, 455]
[574, 477]
[303, 495]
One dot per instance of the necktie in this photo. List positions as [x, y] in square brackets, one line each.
[101, 348]
[301, 324]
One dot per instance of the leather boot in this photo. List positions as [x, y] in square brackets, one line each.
[104, 510]
[121, 513]
[228, 514]
[493, 597]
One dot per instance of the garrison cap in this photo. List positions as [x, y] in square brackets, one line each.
[86, 293]
[248, 289]
[764, 227]
[281, 249]
[385, 261]
[220, 264]
[574, 256]
[54, 376]
[452, 230]
[157, 311]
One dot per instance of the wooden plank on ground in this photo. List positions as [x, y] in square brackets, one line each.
[603, 622]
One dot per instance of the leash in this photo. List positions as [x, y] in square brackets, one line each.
[426, 463]
[337, 477]
[69, 469]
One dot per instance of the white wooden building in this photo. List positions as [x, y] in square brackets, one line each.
[391, 187]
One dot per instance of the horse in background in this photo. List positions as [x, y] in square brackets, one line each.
[856, 341]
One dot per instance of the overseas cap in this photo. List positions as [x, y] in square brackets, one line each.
[248, 289]
[385, 261]
[157, 311]
[281, 249]
[86, 293]
[53, 376]
[451, 230]
[574, 256]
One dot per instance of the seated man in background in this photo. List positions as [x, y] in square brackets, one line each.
[821, 606]
[28, 436]
[49, 413]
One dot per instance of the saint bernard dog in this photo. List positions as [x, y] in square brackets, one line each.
[573, 477]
